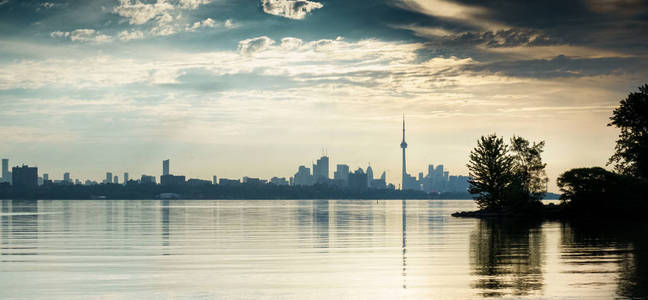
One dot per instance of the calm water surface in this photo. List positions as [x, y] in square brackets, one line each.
[327, 249]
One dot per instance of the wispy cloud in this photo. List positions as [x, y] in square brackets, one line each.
[82, 35]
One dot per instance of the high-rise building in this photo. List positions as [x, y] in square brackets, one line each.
[214, 180]
[25, 178]
[341, 175]
[358, 180]
[404, 175]
[370, 176]
[45, 177]
[303, 176]
[109, 177]
[125, 177]
[115, 179]
[147, 179]
[321, 170]
[165, 167]
[5, 170]
[172, 180]
[66, 177]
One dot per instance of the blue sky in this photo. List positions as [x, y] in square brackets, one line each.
[256, 88]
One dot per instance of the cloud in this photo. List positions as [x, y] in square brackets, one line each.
[131, 35]
[291, 9]
[3, 2]
[253, 45]
[165, 25]
[619, 7]
[192, 4]
[465, 14]
[230, 24]
[140, 13]
[59, 34]
[562, 67]
[291, 43]
[206, 23]
[82, 35]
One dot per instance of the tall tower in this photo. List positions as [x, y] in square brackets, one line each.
[165, 167]
[403, 145]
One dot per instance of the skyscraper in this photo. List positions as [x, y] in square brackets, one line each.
[115, 179]
[25, 178]
[403, 145]
[341, 175]
[109, 177]
[125, 177]
[5, 170]
[321, 170]
[66, 177]
[165, 167]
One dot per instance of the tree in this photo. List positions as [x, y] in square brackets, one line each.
[631, 151]
[490, 168]
[596, 190]
[507, 177]
[530, 179]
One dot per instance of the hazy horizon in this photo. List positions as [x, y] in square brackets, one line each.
[257, 88]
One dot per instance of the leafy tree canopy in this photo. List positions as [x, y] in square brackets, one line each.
[507, 177]
[631, 151]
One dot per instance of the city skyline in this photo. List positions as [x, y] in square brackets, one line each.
[255, 86]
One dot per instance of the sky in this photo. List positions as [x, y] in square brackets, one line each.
[256, 88]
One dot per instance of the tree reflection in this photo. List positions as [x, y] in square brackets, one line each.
[620, 248]
[507, 257]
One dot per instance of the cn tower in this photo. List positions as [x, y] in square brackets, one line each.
[403, 145]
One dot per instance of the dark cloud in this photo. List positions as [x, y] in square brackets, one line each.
[504, 38]
[562, 66]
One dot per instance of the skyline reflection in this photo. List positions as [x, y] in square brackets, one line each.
[284, 248]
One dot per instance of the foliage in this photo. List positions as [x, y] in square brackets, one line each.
[596, 190]
[631, 151]
[529, 170]
[507, 177]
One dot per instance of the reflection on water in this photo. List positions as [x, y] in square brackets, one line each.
[306, 249]
[507, 257]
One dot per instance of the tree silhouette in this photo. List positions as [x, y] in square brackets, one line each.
[529, 180]
[507, 177]
[631, 151]
[490, 168]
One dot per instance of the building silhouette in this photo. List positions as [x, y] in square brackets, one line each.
[172, 179]
[24, 178]
[341, 175]
[358, 180]
[321, 170]
[279, 181]
[146, 179]
[6, 175]
[66, 177]
[225, 181]
[165, 167]
[125, 177]
[198, 182]
[303, 176]
[380, 183]
[370, 176]
[109, 177]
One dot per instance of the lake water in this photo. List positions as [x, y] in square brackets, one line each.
[324, 249]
